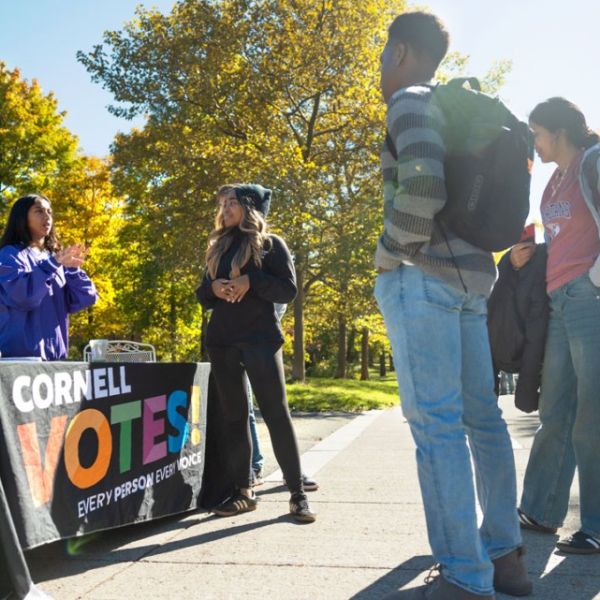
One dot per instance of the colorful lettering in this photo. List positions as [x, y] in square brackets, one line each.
[177, 419]
[80, 476]
[153, 428]
[125, 414]
[41, 479]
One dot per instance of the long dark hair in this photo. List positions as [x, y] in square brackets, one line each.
[17, 231]
[558, 113]
[255, 231]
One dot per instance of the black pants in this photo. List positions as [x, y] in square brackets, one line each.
[264, 365]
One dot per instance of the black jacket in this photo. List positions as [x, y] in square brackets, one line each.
[518, 312]
[253, 319]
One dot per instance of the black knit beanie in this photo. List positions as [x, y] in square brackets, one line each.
[255, 196]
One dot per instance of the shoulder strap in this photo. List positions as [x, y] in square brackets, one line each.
[389, 142]
[590, 176]
[460, 82]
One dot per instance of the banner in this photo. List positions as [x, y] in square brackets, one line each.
[90, 446]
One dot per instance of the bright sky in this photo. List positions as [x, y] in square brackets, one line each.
[42, 37]
[552, 45]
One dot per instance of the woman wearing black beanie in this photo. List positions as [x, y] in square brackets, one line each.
[248, 270]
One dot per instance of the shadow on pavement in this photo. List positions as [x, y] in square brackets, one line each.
[277, 489]
[575, 577]
[557, 575]
[396, 578]
[105, 548]
[72, 556]
[209, 536]
[571, 577]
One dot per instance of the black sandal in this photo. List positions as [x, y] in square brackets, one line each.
[529, 523]
[579, 543]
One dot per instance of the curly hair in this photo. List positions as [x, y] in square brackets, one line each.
[255, 237]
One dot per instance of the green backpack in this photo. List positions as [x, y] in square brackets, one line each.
[487, 168]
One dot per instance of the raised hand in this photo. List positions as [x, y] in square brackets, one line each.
[72, 256]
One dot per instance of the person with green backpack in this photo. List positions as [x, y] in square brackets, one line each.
[435, 272]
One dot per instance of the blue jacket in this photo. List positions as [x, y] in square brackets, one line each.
[36, 296]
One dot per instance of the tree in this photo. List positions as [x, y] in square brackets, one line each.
[88, 211]
[167, 221]
[356, 219]
[281, 91]
[35, 147]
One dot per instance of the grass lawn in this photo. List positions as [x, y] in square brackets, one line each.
[348, 395]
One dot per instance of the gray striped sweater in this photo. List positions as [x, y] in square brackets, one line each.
[414, 192]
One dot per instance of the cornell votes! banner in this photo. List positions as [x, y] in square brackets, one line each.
[85, 447]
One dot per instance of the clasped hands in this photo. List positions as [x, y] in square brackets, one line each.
[231, 290]
[72, 256]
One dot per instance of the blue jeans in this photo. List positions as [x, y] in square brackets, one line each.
[569, 433]
[444, 368]
[257, 457]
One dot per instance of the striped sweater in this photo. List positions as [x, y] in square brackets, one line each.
[414, 192]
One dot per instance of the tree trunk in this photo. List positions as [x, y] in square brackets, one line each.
[351, 354]
[298, 370]
[173, 323]
[382, 370]
[364, 354]
[392, 369]
[342, 350]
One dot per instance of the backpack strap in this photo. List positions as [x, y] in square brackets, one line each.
[460, 82]
[389, 142]
[590, 176]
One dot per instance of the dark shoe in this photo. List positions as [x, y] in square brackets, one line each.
[257, 478]
[528, 523]
[309, 484]
[300, 509]
[437, 588]
[235, 505]
[510, 574]
[579, 543]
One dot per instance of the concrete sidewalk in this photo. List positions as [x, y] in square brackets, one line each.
[370, 537]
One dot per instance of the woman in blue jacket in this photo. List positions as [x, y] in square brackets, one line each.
[40, 283]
